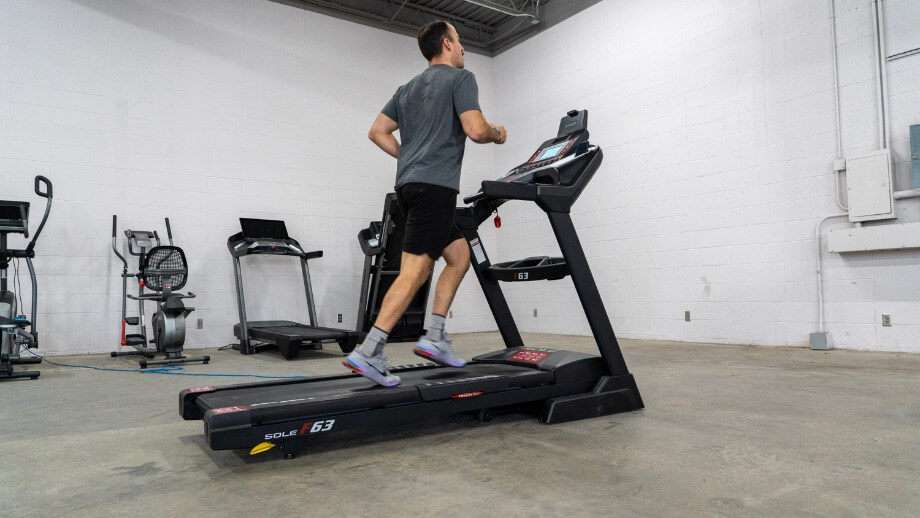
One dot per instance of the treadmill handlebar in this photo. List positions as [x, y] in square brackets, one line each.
[585, 163]
[474, 198]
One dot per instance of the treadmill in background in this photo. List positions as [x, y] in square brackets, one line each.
[270, 237]
[382, 243]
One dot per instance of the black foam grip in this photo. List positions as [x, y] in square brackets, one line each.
[48, 189]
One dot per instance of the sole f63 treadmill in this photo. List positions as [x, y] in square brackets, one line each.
[270, 237]
[565, 385]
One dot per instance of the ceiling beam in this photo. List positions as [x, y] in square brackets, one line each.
[344, 10]
[551, 13]
[500, 8]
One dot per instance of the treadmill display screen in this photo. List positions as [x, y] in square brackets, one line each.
[551, 152]
[263, 228]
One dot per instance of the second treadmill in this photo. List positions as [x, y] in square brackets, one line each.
[270, 237]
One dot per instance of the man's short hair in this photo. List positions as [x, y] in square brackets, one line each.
[430, 38]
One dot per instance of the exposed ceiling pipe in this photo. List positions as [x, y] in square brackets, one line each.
[398, 10]
[332, 6]
[505, 10]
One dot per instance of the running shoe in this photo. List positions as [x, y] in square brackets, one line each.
[375, 368]
[439, 352]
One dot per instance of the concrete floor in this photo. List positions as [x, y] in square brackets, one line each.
[739, 431]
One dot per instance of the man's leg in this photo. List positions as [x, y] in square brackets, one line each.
[434, 345]
[413, 272]
[367, 359]
[457, 257]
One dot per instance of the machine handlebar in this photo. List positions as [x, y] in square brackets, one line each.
[474, 198]
[115, 242]
[39, 180]
[169, 232]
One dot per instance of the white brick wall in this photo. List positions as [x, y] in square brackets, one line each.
[203, 111]
[716, 118]
[717, 122]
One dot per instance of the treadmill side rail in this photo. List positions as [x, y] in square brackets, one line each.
[241, 430]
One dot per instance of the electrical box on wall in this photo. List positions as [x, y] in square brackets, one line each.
[869, 186]
[876, 237]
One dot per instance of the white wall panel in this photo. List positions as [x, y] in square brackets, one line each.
[203, 111]
[717, 122]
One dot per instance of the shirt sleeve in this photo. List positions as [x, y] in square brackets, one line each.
[390, 109]
[466, 93]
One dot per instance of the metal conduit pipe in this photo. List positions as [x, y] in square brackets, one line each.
[878, 76]
[837, 171]
[883, 61]
[821, 268]
[910, 193]
[836, 78]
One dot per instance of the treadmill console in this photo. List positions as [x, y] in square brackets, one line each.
[263, 236]
[14, 217]
[571, 140]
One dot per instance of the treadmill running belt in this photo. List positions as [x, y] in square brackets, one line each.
[355, 392]
[295, 332]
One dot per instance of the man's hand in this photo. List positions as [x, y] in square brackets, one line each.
[480, 131]
[381, 133]
[502, 134]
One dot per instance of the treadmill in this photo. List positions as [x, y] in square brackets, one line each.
[560, 385]
[382, 243]
[270, 237]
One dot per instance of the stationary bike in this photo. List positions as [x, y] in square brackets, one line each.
[17, 331]
[163, 270]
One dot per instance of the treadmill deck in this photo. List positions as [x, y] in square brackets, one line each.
[350, 392]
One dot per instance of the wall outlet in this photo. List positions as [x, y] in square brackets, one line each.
[340, 318]
[886, 319]
[686, 316]
[200, 324]
[535, 312]
[450, 314]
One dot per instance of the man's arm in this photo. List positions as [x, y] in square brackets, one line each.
[381, 133]
[479, 130]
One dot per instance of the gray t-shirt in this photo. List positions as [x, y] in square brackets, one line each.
[428, 109]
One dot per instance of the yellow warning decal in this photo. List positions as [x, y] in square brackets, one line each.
[261, 447]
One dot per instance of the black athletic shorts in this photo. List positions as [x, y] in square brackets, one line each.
[429, 211]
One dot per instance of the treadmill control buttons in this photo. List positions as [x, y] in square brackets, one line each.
[529, 356]
[229, 410]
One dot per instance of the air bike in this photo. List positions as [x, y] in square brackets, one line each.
[561, 385]
[163, 271]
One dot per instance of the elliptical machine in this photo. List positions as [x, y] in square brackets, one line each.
[16, 331]
[162, 270]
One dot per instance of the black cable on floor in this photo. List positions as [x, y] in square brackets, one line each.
[174, 370]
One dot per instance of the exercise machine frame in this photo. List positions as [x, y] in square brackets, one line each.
[16, 331]
[270, 237]
[381, 242]
[163, 270]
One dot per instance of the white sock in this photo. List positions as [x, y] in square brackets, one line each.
[436, 329]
